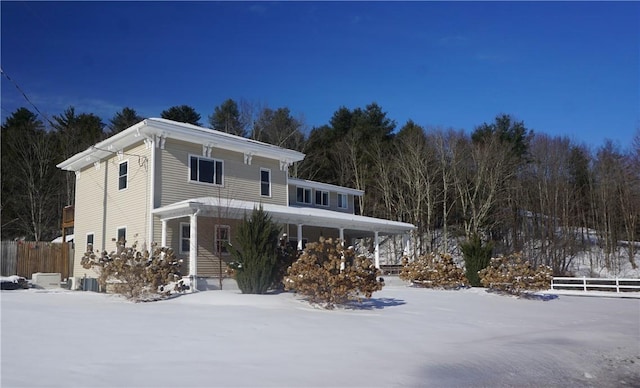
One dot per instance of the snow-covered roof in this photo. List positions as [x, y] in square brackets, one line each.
[231, 208]
[325, 186]
[68, 238]
[155, 127]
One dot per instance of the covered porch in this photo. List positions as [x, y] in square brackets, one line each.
[301, 221]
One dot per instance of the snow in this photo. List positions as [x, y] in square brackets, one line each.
[68, 238]
[402, 337]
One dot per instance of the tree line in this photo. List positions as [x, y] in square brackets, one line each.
[501, 183]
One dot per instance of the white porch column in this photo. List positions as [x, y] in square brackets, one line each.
[342, 236]
[406, 242]
[163, 236]
[299, 237]
[376, 251]
[193, 251]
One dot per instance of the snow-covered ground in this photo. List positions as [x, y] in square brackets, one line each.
[403, 337]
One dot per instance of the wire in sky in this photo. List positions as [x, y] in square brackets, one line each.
[25, 96]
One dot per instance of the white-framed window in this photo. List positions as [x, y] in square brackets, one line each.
[123, 174]
[222, 238]
[322, 198]
[90, 241]
[343, 201]
[265, 182]
[206, 170]
[185, 237]
[121, 234]
[303, 195]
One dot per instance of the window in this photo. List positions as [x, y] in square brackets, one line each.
[342, 201]
[89, 242]
[205, 170]
[123, 172]
[322, 198]
[122, 235]
[185, 237]
[303, 195]
[222, 238]
[265, 182]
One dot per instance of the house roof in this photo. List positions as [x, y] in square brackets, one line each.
[155, 127]
[324, 186]
[235, 209]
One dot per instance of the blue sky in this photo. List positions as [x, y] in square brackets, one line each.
[564, 68]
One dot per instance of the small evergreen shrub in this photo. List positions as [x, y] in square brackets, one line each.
[515, 276]
[255, 264]
[476, 257]
[137, 275]
[329, 274]
[433, 271]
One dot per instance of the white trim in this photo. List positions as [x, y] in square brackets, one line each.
[310, 195]
[215, 238]
[180, 131]
[270, 175]
[126, 175]
[345, 202]
[182, 224]
[198, 181]
[86, 239]
[125, 234]
[325, 186]
[311, 216]
[315, 198]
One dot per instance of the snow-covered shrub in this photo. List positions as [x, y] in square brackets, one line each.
[433, 271]
[515, 276]
[137, 275]
[329, 274]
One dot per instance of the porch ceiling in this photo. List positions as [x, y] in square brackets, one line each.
[234, 209]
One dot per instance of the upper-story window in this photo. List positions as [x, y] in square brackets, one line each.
[322, 198]
[342, 201]
[123, 173]
[265, 182]
[303, 195]
[89, 242]
[206, 170]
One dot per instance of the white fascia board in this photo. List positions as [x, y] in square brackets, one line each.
[103, 149]
[200, 135]
[181, 131]
[212, 207]
[325, 186]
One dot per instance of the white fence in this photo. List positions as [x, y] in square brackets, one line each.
[596, 284]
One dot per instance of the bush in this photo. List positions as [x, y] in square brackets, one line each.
[255, 264]
[515, 276]
[327, 273]
[137, 275]
[433, 271]
[476, 257]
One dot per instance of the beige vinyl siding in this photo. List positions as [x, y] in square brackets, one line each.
[209, 264]
[333, 200]
[103, 212]
[88, 217]
[241, 181]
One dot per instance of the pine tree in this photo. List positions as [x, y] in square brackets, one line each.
[476, 257]
[255, 264]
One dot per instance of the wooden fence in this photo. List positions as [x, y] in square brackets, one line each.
[595, 284]
[24, 258]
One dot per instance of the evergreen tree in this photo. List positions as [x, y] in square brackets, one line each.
[123, 120]
[182, 114]
[255, 264]
[226, 118]
[477, 257]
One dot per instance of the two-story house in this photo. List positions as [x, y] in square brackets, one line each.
[188, 187]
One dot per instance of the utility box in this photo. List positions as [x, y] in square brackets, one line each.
[46, 280]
